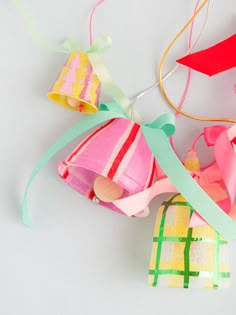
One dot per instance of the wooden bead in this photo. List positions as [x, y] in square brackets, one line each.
[106, 190]
[72, 102]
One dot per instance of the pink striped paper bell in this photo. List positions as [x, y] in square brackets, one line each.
[116, 153]
[77, 87]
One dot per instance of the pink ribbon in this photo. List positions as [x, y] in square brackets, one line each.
[212, 133]
[222, 175]
[215, 180]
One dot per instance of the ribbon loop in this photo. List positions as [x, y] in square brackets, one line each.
[165, 122]
[71, 45]
[212, 133]
[100, 45]
[112, 107]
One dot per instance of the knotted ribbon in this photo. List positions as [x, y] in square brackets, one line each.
[179, 179]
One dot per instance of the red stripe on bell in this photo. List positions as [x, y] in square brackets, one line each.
[129, 141]
[88, 139]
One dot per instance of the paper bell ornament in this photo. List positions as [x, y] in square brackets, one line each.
[184, 257]
[111, 163]
[77, 87]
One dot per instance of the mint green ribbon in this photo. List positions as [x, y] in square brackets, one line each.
[186, 185]
[106, 112]
[156, 135]
[101, 45]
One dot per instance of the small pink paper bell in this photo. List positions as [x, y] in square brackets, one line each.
[111, 163]
[77, 87]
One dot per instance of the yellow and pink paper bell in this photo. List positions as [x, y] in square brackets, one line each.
[77, 87]
[111, 163]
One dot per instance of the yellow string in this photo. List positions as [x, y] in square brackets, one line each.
[160, 75]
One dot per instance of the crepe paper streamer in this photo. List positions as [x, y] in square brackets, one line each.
[213, 60]
[156, 135]
[123, 168]
[184, 257]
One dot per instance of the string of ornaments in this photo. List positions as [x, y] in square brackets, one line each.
[139, 160]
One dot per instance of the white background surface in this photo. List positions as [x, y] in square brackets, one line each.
[79, 258]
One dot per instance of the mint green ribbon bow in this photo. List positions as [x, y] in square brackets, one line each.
[101, 45]
[156, 135]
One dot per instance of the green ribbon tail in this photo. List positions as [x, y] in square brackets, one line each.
[77, 130]
[111, 87]
[192, 192]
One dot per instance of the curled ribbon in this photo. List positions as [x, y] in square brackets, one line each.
[215, 214]
[179, 179]
[222, 138]
[212, 133]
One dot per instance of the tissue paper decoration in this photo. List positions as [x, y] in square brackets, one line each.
[77, 87]
[213, 60]
[184, 257]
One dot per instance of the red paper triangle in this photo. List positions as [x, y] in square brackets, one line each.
[213, 60]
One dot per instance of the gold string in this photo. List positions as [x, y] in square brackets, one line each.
[160, 75]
